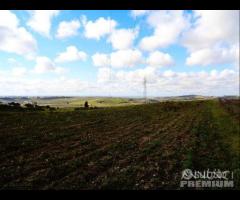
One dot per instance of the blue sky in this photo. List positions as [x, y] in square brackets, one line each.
[110, 52]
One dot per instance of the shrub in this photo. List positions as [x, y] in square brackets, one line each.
[29, 105]
[86, 104]
[14, 104]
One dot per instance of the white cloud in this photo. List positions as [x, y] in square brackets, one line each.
[99, 28]
[71, 54]
[126, 58]
[123, 38]
[209, 56]
[68, 29]
[212, 27]
[47, 87]
[45, 65]
[168, 25]
[104, 75]
[13, 38]
[166, 83]
[118, 59]
[11, 61]
[8, 19]
[40, 21]
[137, 13]
[100, 60]
[138, 75]
[213, 38]
[60, 70]
[169, 74]
[169, 83]
[159, 59]
[133, 77]
[19, 71]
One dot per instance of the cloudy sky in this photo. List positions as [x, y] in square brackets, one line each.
[110, 52]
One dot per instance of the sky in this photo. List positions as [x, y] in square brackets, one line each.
[110, 52]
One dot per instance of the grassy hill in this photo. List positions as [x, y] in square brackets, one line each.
[72, 102]
[130, 147]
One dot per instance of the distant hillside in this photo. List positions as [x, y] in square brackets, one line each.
[62, 101]
[230, 97]
[185, 97]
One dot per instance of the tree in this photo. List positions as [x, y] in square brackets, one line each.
[86, 104]
[14, 104]
[29, 105]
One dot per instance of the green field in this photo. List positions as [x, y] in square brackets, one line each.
[76, 102]
[125, 147]
[73, 102]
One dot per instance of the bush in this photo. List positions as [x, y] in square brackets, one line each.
[29, 105]
[14, 104]
[86, 104]
[10, 107]
[52, 109]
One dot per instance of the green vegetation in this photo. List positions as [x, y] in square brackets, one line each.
[126, 147]
[104, 102]
[73, 102]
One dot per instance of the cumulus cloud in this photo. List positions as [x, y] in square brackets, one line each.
[165, 83]
[71, 54]
[40, 21]
[210, 37]
[170, 83]
[67, 29]
[104, 75]
[208, 42]
[12, 61]
[169, 74]
[123, 38]
[8, 19]
[137, 13]
[167, 25]
[46, 87]
[131, 58]
[45, 64]
[208, 56]
[101, 60]
[159, 59]
[98, 28]
[126, 58]
[14, 38]
[138, 75]
[19, 71]
[212, 27]
[118, 59]
[131, 78]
